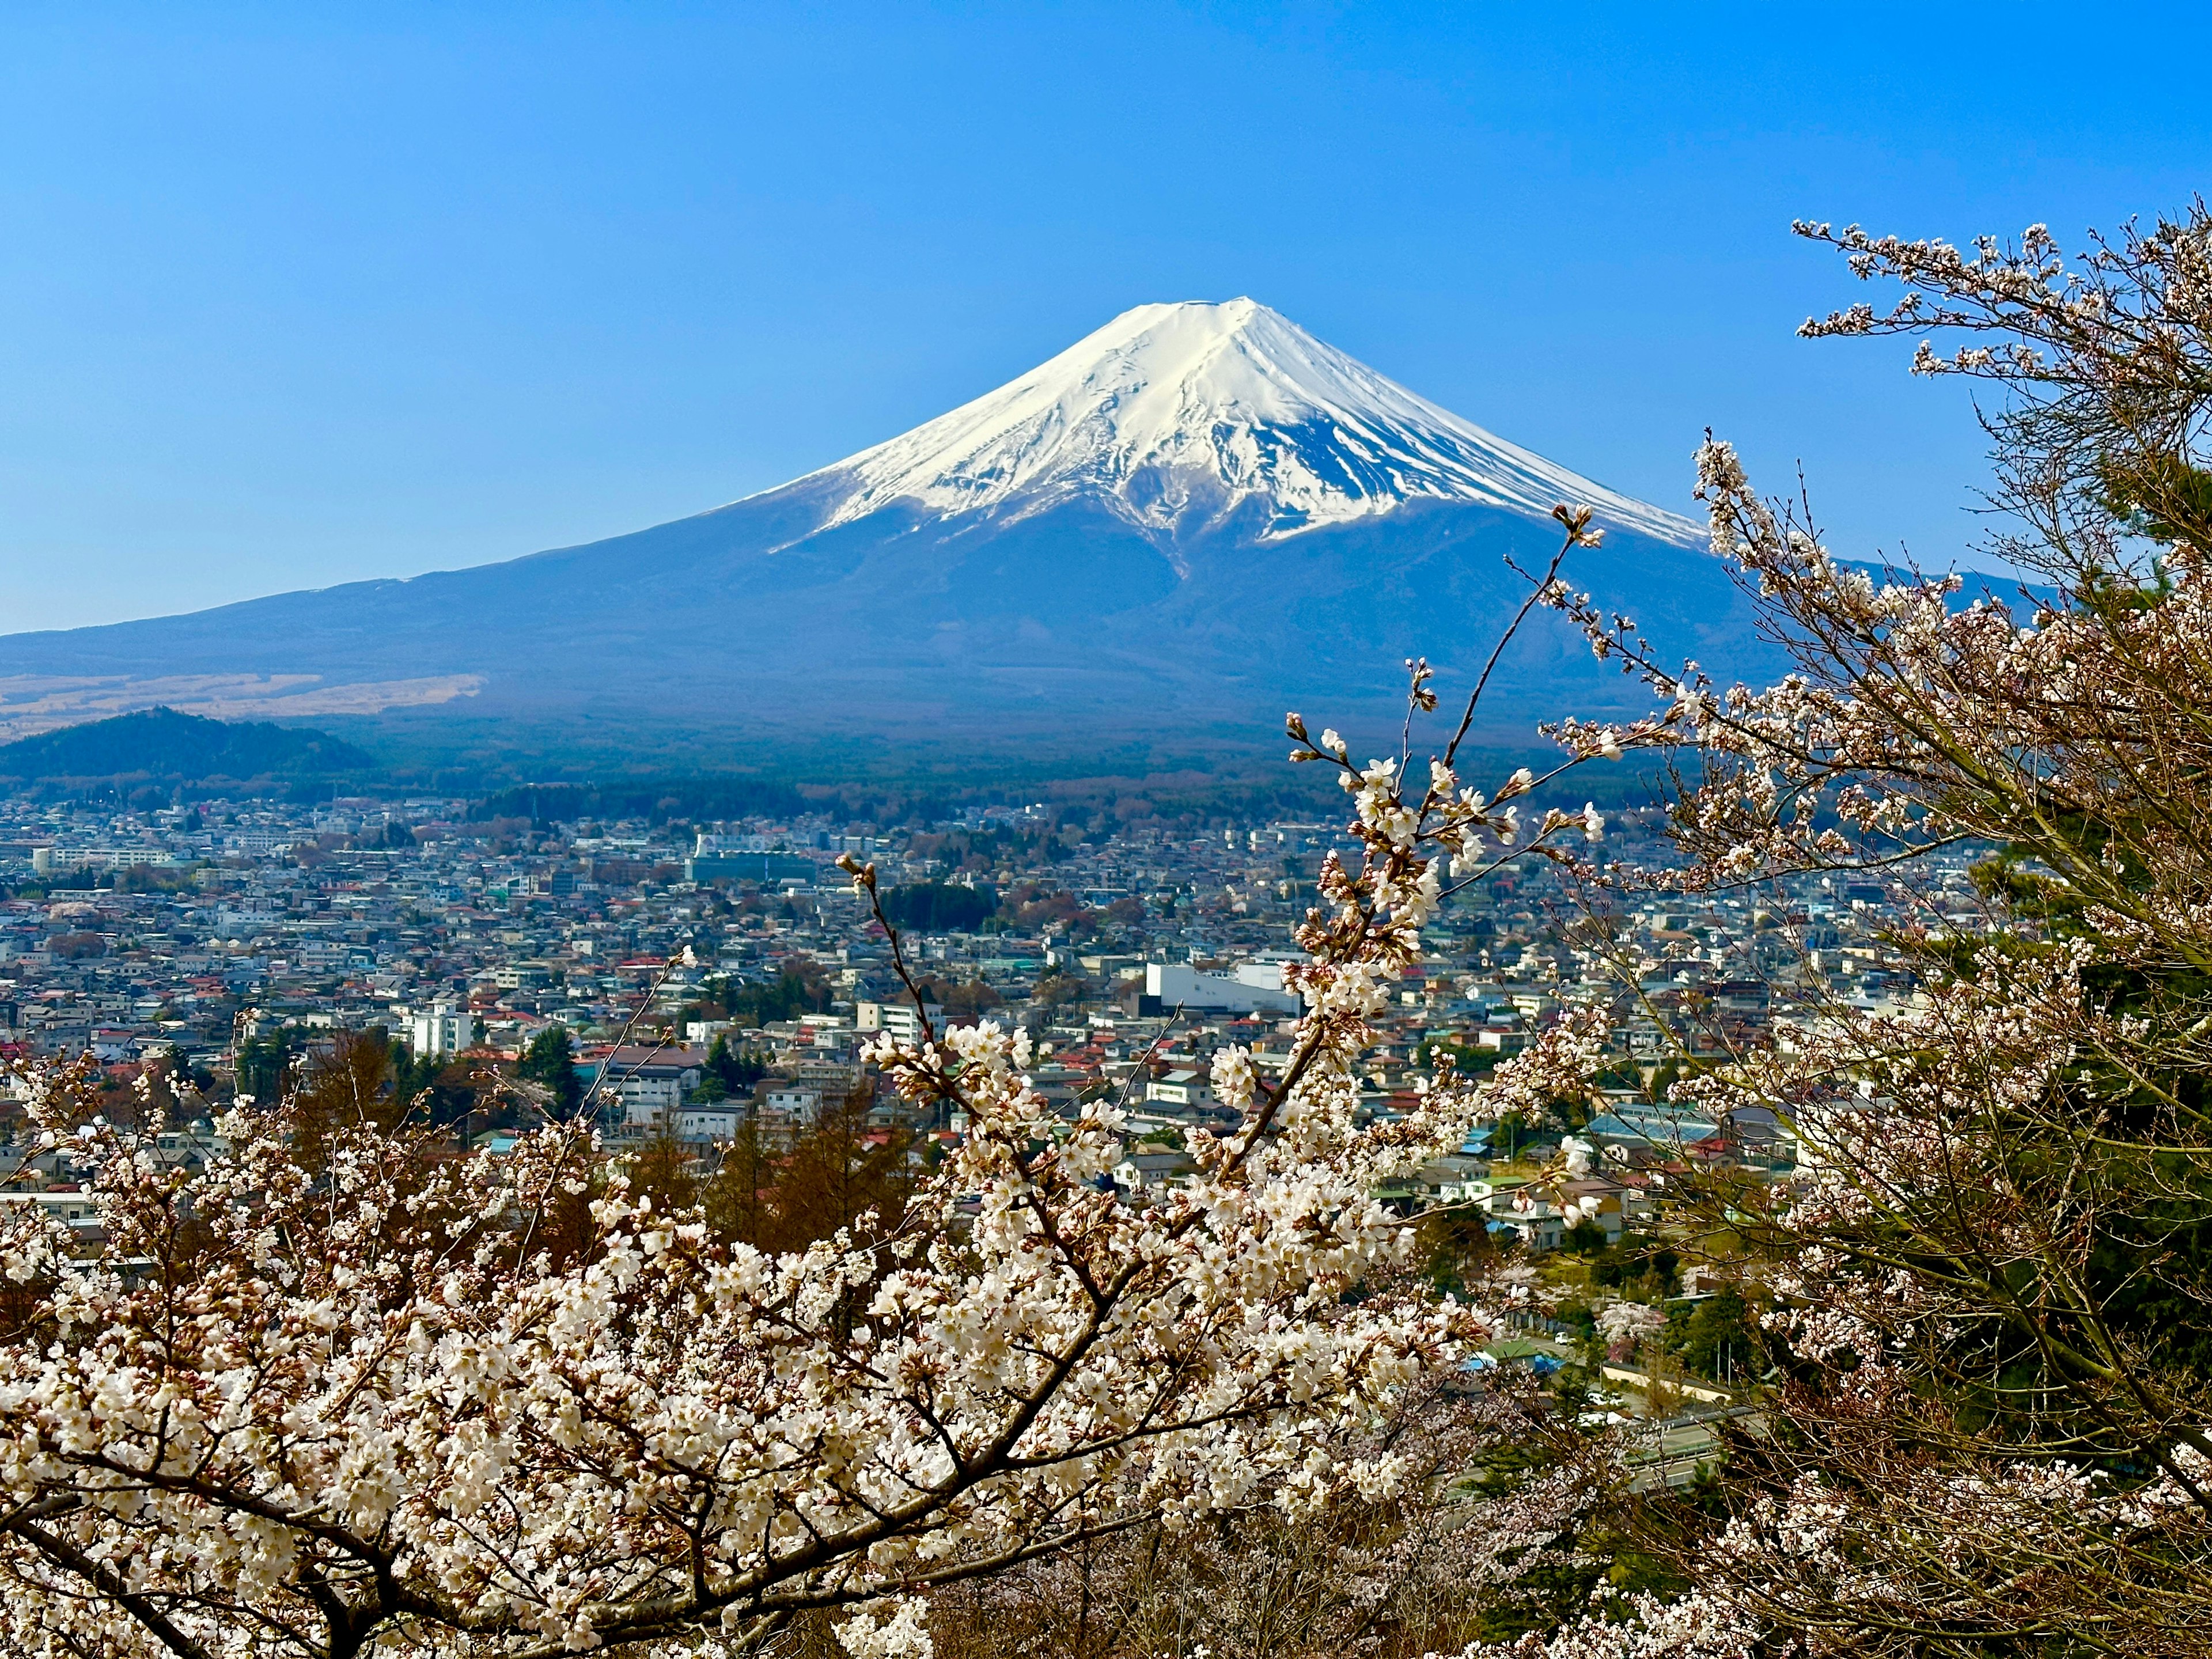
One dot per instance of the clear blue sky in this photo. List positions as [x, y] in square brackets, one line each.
[291, 296]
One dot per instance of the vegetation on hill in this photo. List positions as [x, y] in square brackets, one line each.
[931, 907]
[161, 746]
[794, 992]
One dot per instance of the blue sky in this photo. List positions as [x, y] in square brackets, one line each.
[294, 295]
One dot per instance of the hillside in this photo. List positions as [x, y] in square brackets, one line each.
[161, 745]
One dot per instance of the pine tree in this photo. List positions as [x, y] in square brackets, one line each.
[550, 1060]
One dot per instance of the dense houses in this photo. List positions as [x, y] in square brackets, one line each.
[711, 977]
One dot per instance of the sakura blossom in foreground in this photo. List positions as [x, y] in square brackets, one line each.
[1989, 1424]
[334, 1394]
[369, 1398]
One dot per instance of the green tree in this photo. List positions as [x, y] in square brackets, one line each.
[551, 1061]
[939, 907]
[730, 1071]
[791, 993]
[1719, 1340]
[436, 1090]
[264, 1064]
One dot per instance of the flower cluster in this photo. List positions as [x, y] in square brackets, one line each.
[336, 1391]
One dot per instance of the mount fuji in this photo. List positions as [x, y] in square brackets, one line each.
[1183, 523]
[1173, 416]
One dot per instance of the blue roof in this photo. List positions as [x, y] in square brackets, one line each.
[1660, 1125]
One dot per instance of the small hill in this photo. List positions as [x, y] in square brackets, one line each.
[162, 743]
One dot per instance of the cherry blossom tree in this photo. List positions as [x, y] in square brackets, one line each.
[396, 1401]
[1390, 1576]
[388, 1399]
[1989, 1429]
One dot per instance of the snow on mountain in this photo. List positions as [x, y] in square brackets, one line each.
[1195, 518]
[1175, 415]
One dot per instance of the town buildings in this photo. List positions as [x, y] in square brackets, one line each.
[200, 939]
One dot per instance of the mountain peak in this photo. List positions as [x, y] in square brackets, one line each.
[1198, 515]
[1175, 415]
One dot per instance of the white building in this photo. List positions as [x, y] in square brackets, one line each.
[78, 1211]
[898, 1018]
[1532, 1218]
[442, 1031]
[1170, 985]
[718, 1123]
[1183, 1085]
[648, 1086]
[1142, 1172]
[795, 1105]
[133, 858]
[648, 1103]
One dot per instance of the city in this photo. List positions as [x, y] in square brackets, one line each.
[204, 942]
[676, 980]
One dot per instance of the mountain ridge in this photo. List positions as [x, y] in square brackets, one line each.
[1189, 518]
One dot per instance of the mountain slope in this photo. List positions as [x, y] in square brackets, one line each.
[1192, 519]
[162, 743]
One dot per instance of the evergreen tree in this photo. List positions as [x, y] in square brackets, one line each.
[263, 1065]
[733, 1071]
[550, 1060]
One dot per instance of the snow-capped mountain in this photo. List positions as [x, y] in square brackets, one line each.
[1175, 415]
[1184, 523]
